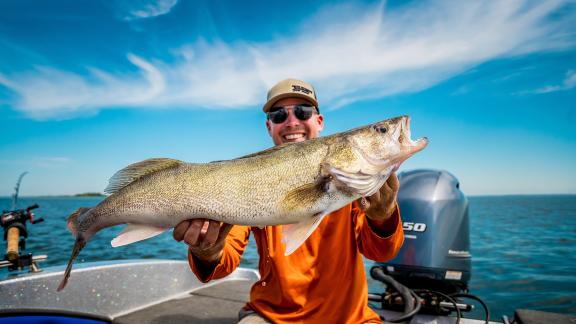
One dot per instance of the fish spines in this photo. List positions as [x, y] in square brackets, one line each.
[137, 171]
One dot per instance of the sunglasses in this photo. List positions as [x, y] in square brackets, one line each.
[303, 112]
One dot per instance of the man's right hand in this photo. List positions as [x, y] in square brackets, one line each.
[205, 237]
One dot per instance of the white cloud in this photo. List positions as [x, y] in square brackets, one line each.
[39, 162]
[568, 83]
[369, 52]
[139, 9]
[50, 162]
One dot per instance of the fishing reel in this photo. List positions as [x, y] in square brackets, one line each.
[15, 233]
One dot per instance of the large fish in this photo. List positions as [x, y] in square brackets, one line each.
[294, 184]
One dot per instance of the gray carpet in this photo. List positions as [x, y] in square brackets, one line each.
[215, 304]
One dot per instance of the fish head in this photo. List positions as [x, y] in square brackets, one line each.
[383, 146]
[388, 139]
[361, 160]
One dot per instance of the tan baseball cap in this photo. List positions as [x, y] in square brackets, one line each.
[290, 88]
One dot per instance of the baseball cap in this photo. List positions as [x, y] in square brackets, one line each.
[290, 88]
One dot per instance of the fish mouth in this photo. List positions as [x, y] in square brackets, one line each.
[413, 146]
[408, 147]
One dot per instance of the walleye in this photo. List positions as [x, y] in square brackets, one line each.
[294, 185]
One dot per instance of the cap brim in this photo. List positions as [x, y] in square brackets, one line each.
[275, 99]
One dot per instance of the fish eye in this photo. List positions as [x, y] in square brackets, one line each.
[380, 129]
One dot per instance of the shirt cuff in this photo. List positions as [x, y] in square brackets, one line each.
[387, 228]
[200, 272]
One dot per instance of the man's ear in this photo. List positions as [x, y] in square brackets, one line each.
[268, 127]
[320, 120]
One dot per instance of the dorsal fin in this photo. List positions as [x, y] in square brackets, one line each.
[266, 151]
[137, 170]
[260, 153]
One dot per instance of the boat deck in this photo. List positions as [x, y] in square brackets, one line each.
[217, 304]
[144, 291]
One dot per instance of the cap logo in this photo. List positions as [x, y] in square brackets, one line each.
[297, 88]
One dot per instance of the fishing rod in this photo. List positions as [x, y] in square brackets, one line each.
[17, 190]
[15, 233]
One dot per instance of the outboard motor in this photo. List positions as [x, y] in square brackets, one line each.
[435, 254]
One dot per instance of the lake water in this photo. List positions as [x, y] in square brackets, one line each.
[523, 248]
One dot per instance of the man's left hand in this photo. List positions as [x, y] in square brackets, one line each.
[381, 206]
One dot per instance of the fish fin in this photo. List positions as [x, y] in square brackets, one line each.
[308, 194]
[78, 246]
[72, 222]
[138, 170]
[136, 232]
[264, 152]
[361, 183]
[293, 235]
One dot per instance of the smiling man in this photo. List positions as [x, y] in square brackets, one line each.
[323, 281]
[292, 111]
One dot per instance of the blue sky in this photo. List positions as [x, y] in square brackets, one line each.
[89, 87]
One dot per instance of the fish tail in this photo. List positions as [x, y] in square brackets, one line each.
[78, 245]
[73, 220]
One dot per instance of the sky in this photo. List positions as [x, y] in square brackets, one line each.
[88, 87]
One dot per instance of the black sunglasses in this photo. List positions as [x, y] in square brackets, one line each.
[278, 115]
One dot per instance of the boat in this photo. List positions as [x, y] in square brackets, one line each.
[137, 291]
[427, 287]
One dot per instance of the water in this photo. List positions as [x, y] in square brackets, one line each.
[522, 247]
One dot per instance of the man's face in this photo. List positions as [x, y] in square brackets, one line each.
[294, 129]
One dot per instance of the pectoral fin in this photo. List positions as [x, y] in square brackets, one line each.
[361, 183]
[293, 235]
[136, 232]
[308, 194]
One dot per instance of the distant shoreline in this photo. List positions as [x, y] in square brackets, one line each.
[89, 194]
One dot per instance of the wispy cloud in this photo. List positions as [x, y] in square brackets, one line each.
[39, 162]
[50, 162]
[568, 83]
[368, 54]
[139, 9]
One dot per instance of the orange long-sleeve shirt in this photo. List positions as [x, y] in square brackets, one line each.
[324, 280]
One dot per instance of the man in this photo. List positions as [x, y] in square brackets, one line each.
[323, 281]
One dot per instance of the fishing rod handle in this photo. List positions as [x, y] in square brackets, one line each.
[12, 243]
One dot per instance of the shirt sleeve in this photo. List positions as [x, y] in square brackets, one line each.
[236, 242]
[373, 246]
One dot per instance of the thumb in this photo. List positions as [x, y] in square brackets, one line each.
[364, 203]
[224, 230]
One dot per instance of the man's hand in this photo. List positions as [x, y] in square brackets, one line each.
[380, 206]
[205, 237]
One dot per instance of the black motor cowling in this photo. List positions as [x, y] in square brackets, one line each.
[435, 254]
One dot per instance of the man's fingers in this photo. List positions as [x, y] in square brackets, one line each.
[180, 230]
[375, 197]
[211, 234]
[224, 230]
[393, 182]
[193, 231]
[364, 203]
[390, 187]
